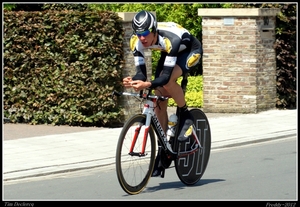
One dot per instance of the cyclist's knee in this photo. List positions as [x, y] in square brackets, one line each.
[171, 84]
[177, 72]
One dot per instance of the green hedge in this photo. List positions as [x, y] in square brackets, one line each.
[60, 67]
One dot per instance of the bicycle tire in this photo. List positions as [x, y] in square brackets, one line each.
[191, 168]
[134, 172]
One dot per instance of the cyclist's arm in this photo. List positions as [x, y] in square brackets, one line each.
[140, 66]
[169, 64]
[139, 60]
[164, 78]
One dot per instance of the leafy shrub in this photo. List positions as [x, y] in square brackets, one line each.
[61, 67]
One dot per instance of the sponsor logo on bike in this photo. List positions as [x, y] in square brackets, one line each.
[158, 126]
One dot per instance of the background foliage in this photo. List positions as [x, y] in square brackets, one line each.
[286, 51]
[60, 67]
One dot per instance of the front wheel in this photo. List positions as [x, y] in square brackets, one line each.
[191, 168]
[134, 167]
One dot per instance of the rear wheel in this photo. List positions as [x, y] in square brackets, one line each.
[134, 169]
[191, 168]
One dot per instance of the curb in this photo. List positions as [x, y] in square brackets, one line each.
[56, 169]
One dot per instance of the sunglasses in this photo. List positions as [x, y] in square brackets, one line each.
[144, 33]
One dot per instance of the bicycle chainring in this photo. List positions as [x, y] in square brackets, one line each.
[165, 160]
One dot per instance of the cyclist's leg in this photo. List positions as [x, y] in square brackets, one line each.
[161, 113]
[185, 61]
[172, 88]
[162, 116]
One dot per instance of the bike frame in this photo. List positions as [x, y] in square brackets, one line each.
[151, 118]
[139, 156]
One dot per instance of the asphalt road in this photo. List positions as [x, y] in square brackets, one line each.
[257, 172]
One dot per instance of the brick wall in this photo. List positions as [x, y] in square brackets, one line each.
[239, 63]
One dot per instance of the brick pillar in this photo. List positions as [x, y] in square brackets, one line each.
[239, 63]
[130, 104]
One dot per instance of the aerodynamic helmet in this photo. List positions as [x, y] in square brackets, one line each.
[144, 21]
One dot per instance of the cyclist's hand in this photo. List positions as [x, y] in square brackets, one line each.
[127, 82]
[138, 85]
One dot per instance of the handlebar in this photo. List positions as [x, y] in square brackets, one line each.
[146, 96]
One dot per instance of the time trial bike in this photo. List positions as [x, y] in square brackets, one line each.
[142, 136]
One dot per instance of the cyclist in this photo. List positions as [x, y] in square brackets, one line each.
[179, 52]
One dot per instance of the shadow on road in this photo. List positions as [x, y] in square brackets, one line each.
[180, 185]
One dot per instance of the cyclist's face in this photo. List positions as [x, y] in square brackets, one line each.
[147, 40]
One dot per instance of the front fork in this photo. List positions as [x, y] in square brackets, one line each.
[137, 132]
